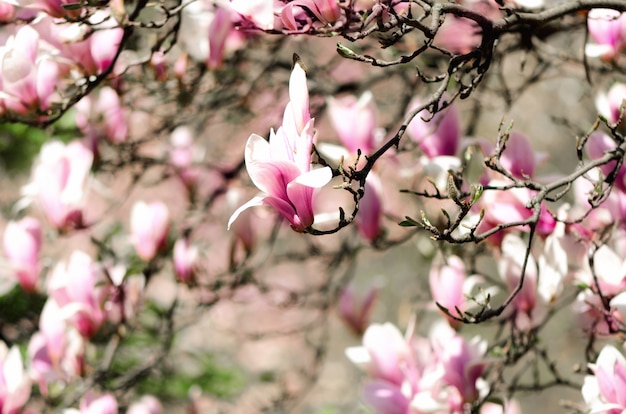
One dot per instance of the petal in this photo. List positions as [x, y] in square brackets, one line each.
[256, 201]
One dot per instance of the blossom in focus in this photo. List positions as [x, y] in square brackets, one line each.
[15, 384]
[607, 28]
[149, 224]
[59, 181]
[281, 168]
[22, 242]
[605, 390]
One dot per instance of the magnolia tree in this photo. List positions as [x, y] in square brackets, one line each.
[221, 177]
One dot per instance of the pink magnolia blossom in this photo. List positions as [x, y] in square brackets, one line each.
[600, 143]
[605, 391]
[260, 13]
[356, 312]
[53, 8]
[462, 363]
[519, 157]
[447, 278]
[125, 295]
[610, 104]
[79, 288]
[296, 19]
[15, 384]
[509, 206]
[438, 136]
[58, 182]
[185, 260]
[183, 153]
[607, 27]
[149, 225]
[90, 404]
[355, 122]
[22, 242]
[369, 219]
[57, 351]
[148, 404]
[528, 305]
[102, 116]
[29, 73]
[281, 168]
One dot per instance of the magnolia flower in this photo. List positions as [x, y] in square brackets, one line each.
[438, 136]
[519, 158]
[28, 73]
[148, 404]
[369, 219]
[447, 281]
[102, 116]
[59, 180]
[104, 404]
[14, 382]
[79, 288]
[607, 27]
[57, 351]
[610, 104]
[185, 258]
[281, 168]
[354, 120]
[605, 391]
[22, 243]
[295, 17]
[149, 225]
[259, 12]
[356, 312]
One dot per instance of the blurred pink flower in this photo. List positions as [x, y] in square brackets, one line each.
[355, 312]
[79, 288]
[605, 391]
[607, 27]
[369, 219]
[15, 384]
[90, 404]
[519, 157]
[183, 153]
[462, 363]
[185, 260]
[447, 279]
[29, 73]
[102, 115]
[56, 352]
[58, 182]
[259, 12]
[610, 104]
[149, 224]
[354, 120]
[295, 17]
[148, 404]
[281, 168]
[441, 135]
[22, 242]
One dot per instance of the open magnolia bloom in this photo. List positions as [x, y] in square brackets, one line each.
[281, 168]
